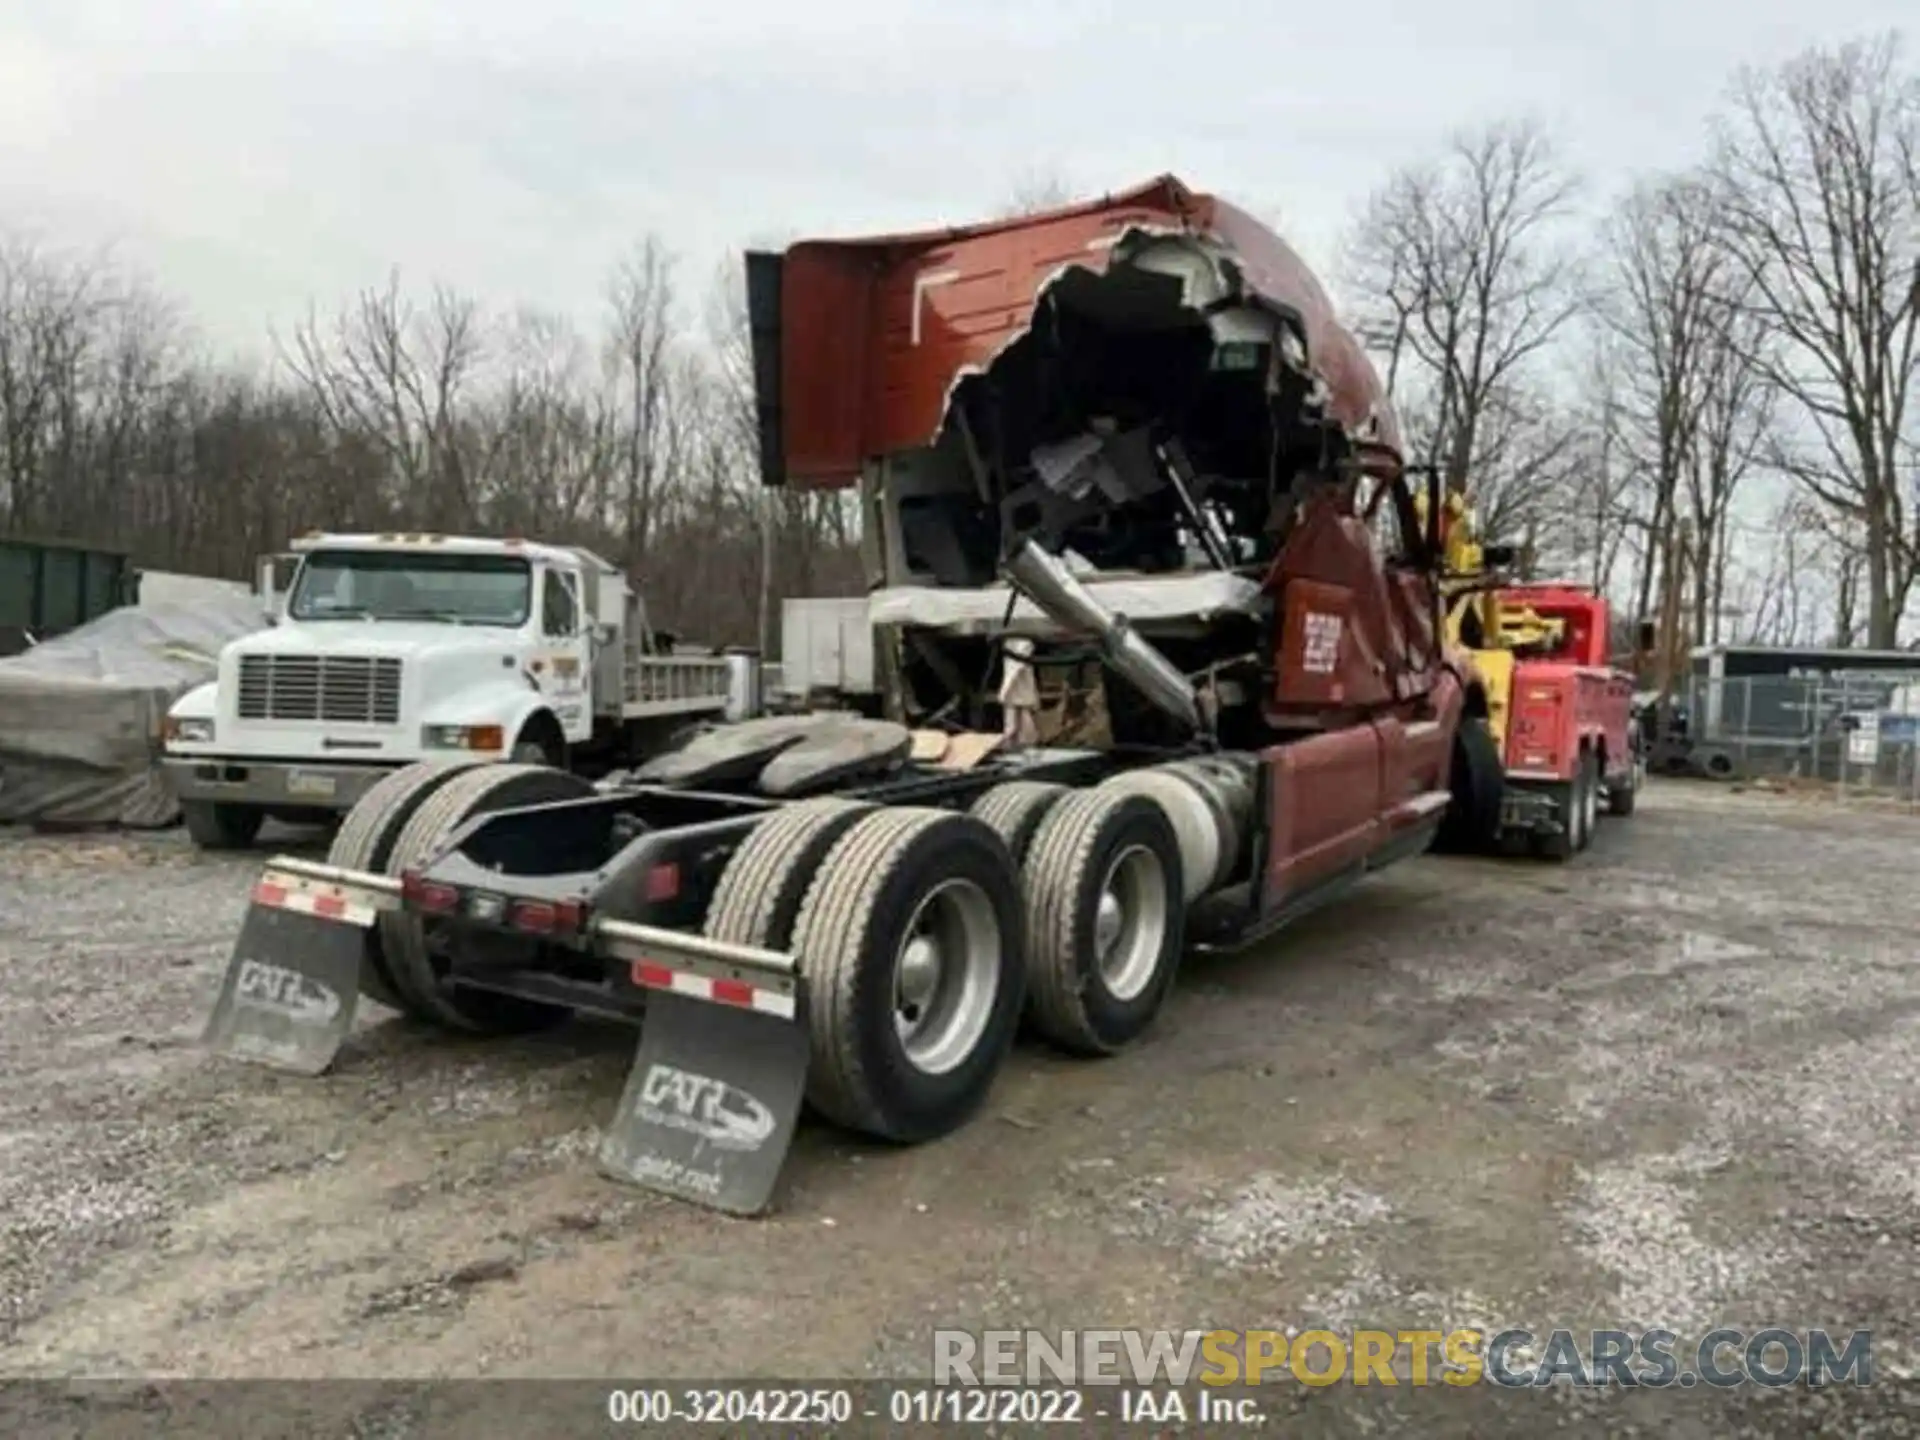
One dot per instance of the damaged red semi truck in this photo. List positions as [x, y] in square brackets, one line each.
[1129, 433]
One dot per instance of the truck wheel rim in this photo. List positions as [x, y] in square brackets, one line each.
[947, 977]
[1592, 802]
[1130, 922]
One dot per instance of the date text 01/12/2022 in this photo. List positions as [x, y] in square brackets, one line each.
[997, 1405]
[803, 1405]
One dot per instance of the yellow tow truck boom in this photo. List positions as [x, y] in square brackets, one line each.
[1474, 614]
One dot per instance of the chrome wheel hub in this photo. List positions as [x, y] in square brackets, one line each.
[1108, 919]
[1130, 922]
[919, 973]
[946, 977]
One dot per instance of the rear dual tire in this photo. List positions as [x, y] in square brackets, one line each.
[1105, 920]
[760, 892]
[1622, 798]
[922, 944]
[419, 974]
[365, 842]
[1578, 805]
[1015, 811]
[911, 947]
[1102, 894]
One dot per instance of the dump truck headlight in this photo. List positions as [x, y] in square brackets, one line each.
[463, 737]
[189, 732]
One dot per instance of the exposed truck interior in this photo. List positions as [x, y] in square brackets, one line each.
[1155, 418]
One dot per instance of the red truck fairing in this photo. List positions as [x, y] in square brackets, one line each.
[859, 343]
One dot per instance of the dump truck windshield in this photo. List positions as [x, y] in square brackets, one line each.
[390, 585]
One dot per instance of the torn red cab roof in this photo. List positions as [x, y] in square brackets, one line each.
[858, 343]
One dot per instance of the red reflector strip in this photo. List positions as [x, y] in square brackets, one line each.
[663, 882]
[323, 904]
[740, 993]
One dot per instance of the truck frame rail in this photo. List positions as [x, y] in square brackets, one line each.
[716, 921]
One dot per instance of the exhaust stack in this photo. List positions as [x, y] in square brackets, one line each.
[1048, 583]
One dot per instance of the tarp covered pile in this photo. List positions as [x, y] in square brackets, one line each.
[80, 714]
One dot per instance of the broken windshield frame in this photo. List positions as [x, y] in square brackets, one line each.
[456, 589]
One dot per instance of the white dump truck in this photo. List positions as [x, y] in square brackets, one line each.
[394, 649]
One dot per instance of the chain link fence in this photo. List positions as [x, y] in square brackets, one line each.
[1854, 731]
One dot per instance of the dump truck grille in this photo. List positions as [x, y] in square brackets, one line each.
[345, 688]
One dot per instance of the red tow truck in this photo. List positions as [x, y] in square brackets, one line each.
[1568, 737]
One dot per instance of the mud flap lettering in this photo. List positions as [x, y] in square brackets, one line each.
[290, 990]
[710, 1105]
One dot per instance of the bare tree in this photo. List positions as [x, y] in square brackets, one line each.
[1464, 284]
[1799, 565]
[1600, 513]
[398, 379]
[1733, 430]
[1818, 185]
[1842, 554]
[553, 433]
[1663, 307]
[640, 353]
[50, 314]
[1525, 469]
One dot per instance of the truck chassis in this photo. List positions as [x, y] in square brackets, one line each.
[871, 951]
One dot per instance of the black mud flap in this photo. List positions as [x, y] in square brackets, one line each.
[290, 990]
[710, 1106]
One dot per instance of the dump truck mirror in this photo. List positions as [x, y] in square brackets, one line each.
[273, 577]
[1646, 636]
[1498, 554]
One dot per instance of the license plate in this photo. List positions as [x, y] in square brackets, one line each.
[300, 782]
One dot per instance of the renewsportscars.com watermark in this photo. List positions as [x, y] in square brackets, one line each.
[1773, 1357]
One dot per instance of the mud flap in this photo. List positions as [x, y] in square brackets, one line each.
[711, 1103]
[290, 990]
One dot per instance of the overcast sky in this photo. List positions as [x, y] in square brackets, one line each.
[251, 156]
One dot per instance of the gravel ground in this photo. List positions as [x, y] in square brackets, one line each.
[1671, 1084]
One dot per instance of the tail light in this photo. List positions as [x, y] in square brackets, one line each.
[429, 895]
[547, 917]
